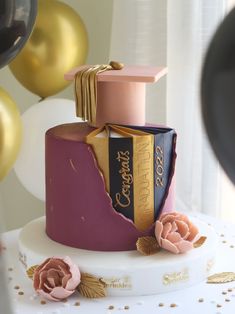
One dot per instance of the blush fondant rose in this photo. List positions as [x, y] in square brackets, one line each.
[175, 232]
[56, 278]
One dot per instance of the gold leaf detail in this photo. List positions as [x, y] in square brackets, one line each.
[199, 242]
[147, 245]
[221, 277]
[30, 271]
[91, 286]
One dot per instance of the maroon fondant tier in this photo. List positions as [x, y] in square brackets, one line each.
[79, 211]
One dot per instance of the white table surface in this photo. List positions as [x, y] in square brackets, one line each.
[217, 299]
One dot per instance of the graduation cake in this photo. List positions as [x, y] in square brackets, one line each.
[110, 220]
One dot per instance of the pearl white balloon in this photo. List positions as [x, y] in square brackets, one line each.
[30, 165]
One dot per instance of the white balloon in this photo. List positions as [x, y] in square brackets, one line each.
[30, 165]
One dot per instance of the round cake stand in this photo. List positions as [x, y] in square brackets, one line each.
[125, 273]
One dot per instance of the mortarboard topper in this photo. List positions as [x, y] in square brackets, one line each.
[119, 94]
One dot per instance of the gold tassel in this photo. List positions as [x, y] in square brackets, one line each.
[86, 90]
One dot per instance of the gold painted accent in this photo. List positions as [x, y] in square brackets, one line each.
[91, 286]
[199, 242]
[147, 245]
[86, 89]
[118, 283]
[30, 271]
[221, 277]
[72, 165]
[116, 65]
[123, 197]
[144, 181]
[174, 277]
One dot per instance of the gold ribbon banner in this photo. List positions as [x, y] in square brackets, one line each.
[86, 90]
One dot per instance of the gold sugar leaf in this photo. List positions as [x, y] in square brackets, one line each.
[91, 286]
[147, 245]
[30, 271]
[199, 242]
[221, 277]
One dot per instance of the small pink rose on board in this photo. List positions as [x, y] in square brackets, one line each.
[175, 232]
[56, 278]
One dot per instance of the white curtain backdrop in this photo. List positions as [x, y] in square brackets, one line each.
[176, 34]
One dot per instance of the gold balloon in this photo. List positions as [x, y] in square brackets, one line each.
[10, 132]
[58, 43]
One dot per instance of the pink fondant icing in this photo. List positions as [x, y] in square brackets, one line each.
[120, 103]
[79, 211]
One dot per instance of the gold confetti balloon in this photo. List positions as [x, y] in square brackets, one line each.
[58, 43]
[10, 132]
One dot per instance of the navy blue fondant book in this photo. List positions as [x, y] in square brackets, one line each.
[164, 162]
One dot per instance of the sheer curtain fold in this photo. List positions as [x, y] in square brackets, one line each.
[191, 25]
[176, 34]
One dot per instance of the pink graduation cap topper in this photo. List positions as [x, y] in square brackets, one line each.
[120, 93]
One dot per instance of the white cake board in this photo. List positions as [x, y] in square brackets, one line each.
[185, 301]
[126, 273]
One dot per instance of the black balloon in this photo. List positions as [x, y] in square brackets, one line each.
[218, 94]
[17, 18]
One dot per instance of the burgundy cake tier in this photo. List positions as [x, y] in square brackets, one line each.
[79, 211]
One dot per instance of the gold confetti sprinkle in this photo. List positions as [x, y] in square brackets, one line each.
[17, 287]
[230, 290]
[77, 304]
[10, 269]
[126, 307]
[224, 292]
[219, 305]
[64, 300]
[227, 300]
[201, 300]
[111, 307]
[224, 241]
[231, 246]
[43, 302]
[222, 235]
[173, 305]
[161, 304]
[21, 293]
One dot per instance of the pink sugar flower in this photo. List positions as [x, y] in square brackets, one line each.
[56, 278]
[175, 232]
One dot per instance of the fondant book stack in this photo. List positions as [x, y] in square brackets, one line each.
[136, 164]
